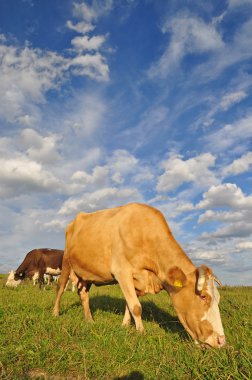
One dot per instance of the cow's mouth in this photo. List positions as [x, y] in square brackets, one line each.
[220, 342]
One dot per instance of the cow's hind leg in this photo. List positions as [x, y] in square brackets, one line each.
[127, 286]
[61, 285]
[83, 290]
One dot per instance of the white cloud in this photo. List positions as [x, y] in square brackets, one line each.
[231, 134]
[88, 60]
[92, 12]
[91, 65]
[55, 225]
[229, 99]
[119, 167]
[244, 246]
[236, 51]
[178, 171]
[236, 223]
[233, 230]
[238, 3]
[241, 165]
[25, 164]
[225, 195]
[81, 27]
[212, 256]
[100, 199]
[222, 216]
[83, 43]
[21, 175]
[38, 148]
[86, 116]
[27, 120]
[98, 177]
[82, 10]
[121, 161]
[183, 207]
[145, 174]
[26, 74]
[189, 34]
[219, 104]
[6, 147]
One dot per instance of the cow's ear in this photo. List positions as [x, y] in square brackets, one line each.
[176, 278]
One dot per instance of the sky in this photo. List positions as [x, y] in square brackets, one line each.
[109, 102]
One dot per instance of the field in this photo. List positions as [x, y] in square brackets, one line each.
[35, 345]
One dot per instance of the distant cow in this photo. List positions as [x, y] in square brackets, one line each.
[39, 262]
[133, 245]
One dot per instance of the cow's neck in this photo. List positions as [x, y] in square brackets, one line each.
[172, 255]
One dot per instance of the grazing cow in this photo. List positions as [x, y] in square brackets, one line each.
[39, 262]
[132, 245]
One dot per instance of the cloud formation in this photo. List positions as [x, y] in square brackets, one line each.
[225, 195]
[226, 137]
[189, 34]
[241, 165]
[178, 171]
[21, 176]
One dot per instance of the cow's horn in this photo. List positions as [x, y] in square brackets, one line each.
[201, 279]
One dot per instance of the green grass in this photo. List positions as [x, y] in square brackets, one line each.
[35, 345]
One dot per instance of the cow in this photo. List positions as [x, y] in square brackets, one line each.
[39, 262]
[132, 245]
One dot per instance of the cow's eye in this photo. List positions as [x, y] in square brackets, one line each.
[203, 297]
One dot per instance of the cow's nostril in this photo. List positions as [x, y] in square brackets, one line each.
[221, 340]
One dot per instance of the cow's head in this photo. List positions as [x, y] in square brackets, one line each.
[196, 298]
[11, 282]
[19, 276]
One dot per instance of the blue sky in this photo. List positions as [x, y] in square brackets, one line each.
[109, 102]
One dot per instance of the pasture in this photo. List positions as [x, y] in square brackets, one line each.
[35, 345]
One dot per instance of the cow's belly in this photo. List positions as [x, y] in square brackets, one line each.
[92, 267]
[97, 276]
[53, 271]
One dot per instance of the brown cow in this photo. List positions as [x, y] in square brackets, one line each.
[133, 245]
[40, 261]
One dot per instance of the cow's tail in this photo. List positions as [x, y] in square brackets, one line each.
[64, 277]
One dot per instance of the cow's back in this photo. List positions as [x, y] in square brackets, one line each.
[51, 259]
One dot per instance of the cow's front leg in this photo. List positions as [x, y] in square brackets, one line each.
[126, 283]
[127, 317]
[41, 279]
